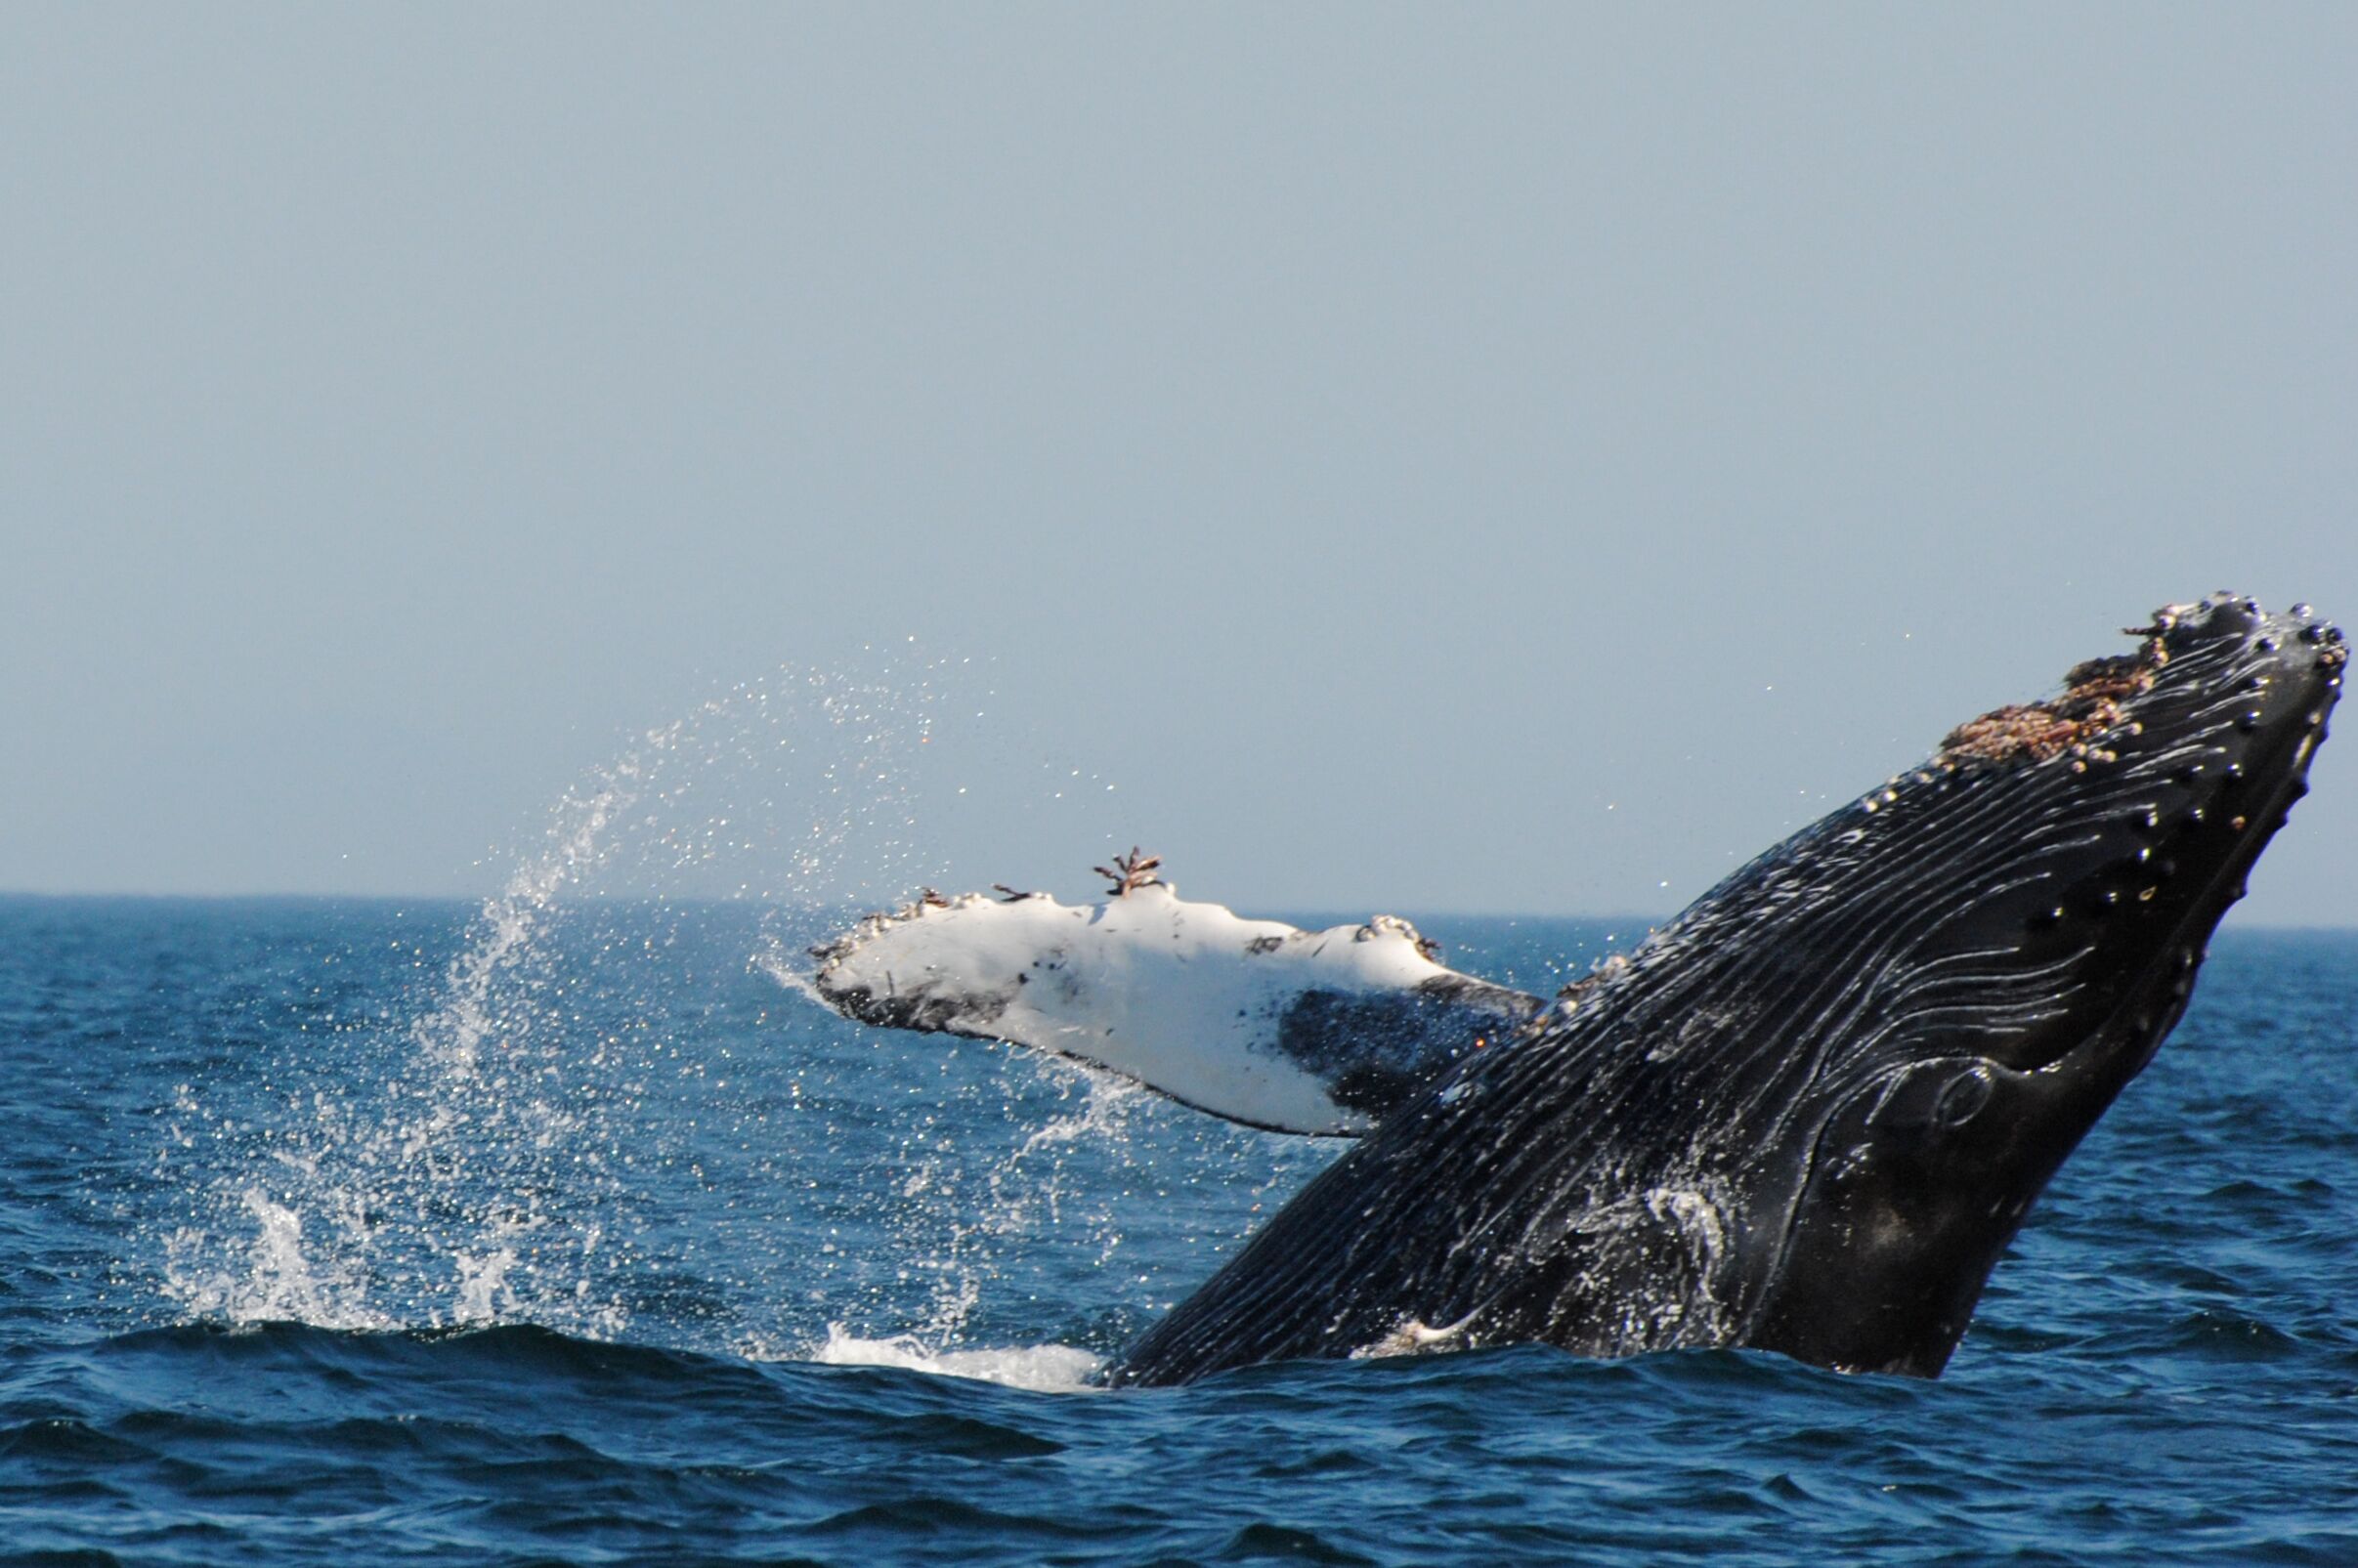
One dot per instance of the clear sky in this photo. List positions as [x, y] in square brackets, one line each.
[1444, 458]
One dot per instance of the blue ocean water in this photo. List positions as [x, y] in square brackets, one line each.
[338, 1231]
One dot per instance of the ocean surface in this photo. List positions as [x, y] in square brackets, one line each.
[348, 1231]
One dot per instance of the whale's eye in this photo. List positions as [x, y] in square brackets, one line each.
[1936, 1096]
[1962, 1097]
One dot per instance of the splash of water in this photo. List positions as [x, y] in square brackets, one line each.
[475, 1166]
[963, 1230]
[518, 1141]
[1043, 1367]
[277, 1276]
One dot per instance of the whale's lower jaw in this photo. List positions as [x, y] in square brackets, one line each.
[1809, 1114]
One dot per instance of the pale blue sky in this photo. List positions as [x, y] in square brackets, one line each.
[1380, 438]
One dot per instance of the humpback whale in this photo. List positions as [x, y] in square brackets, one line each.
[1806, 1116]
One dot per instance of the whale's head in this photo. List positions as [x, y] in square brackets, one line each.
[2033, 906]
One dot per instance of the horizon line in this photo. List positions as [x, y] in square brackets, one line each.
[475, 900]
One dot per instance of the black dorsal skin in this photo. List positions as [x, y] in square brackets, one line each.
[1809, 1114]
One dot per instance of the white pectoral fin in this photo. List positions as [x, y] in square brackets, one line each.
[1319, 1032]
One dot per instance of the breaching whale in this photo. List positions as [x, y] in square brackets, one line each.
[1806, 1116]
